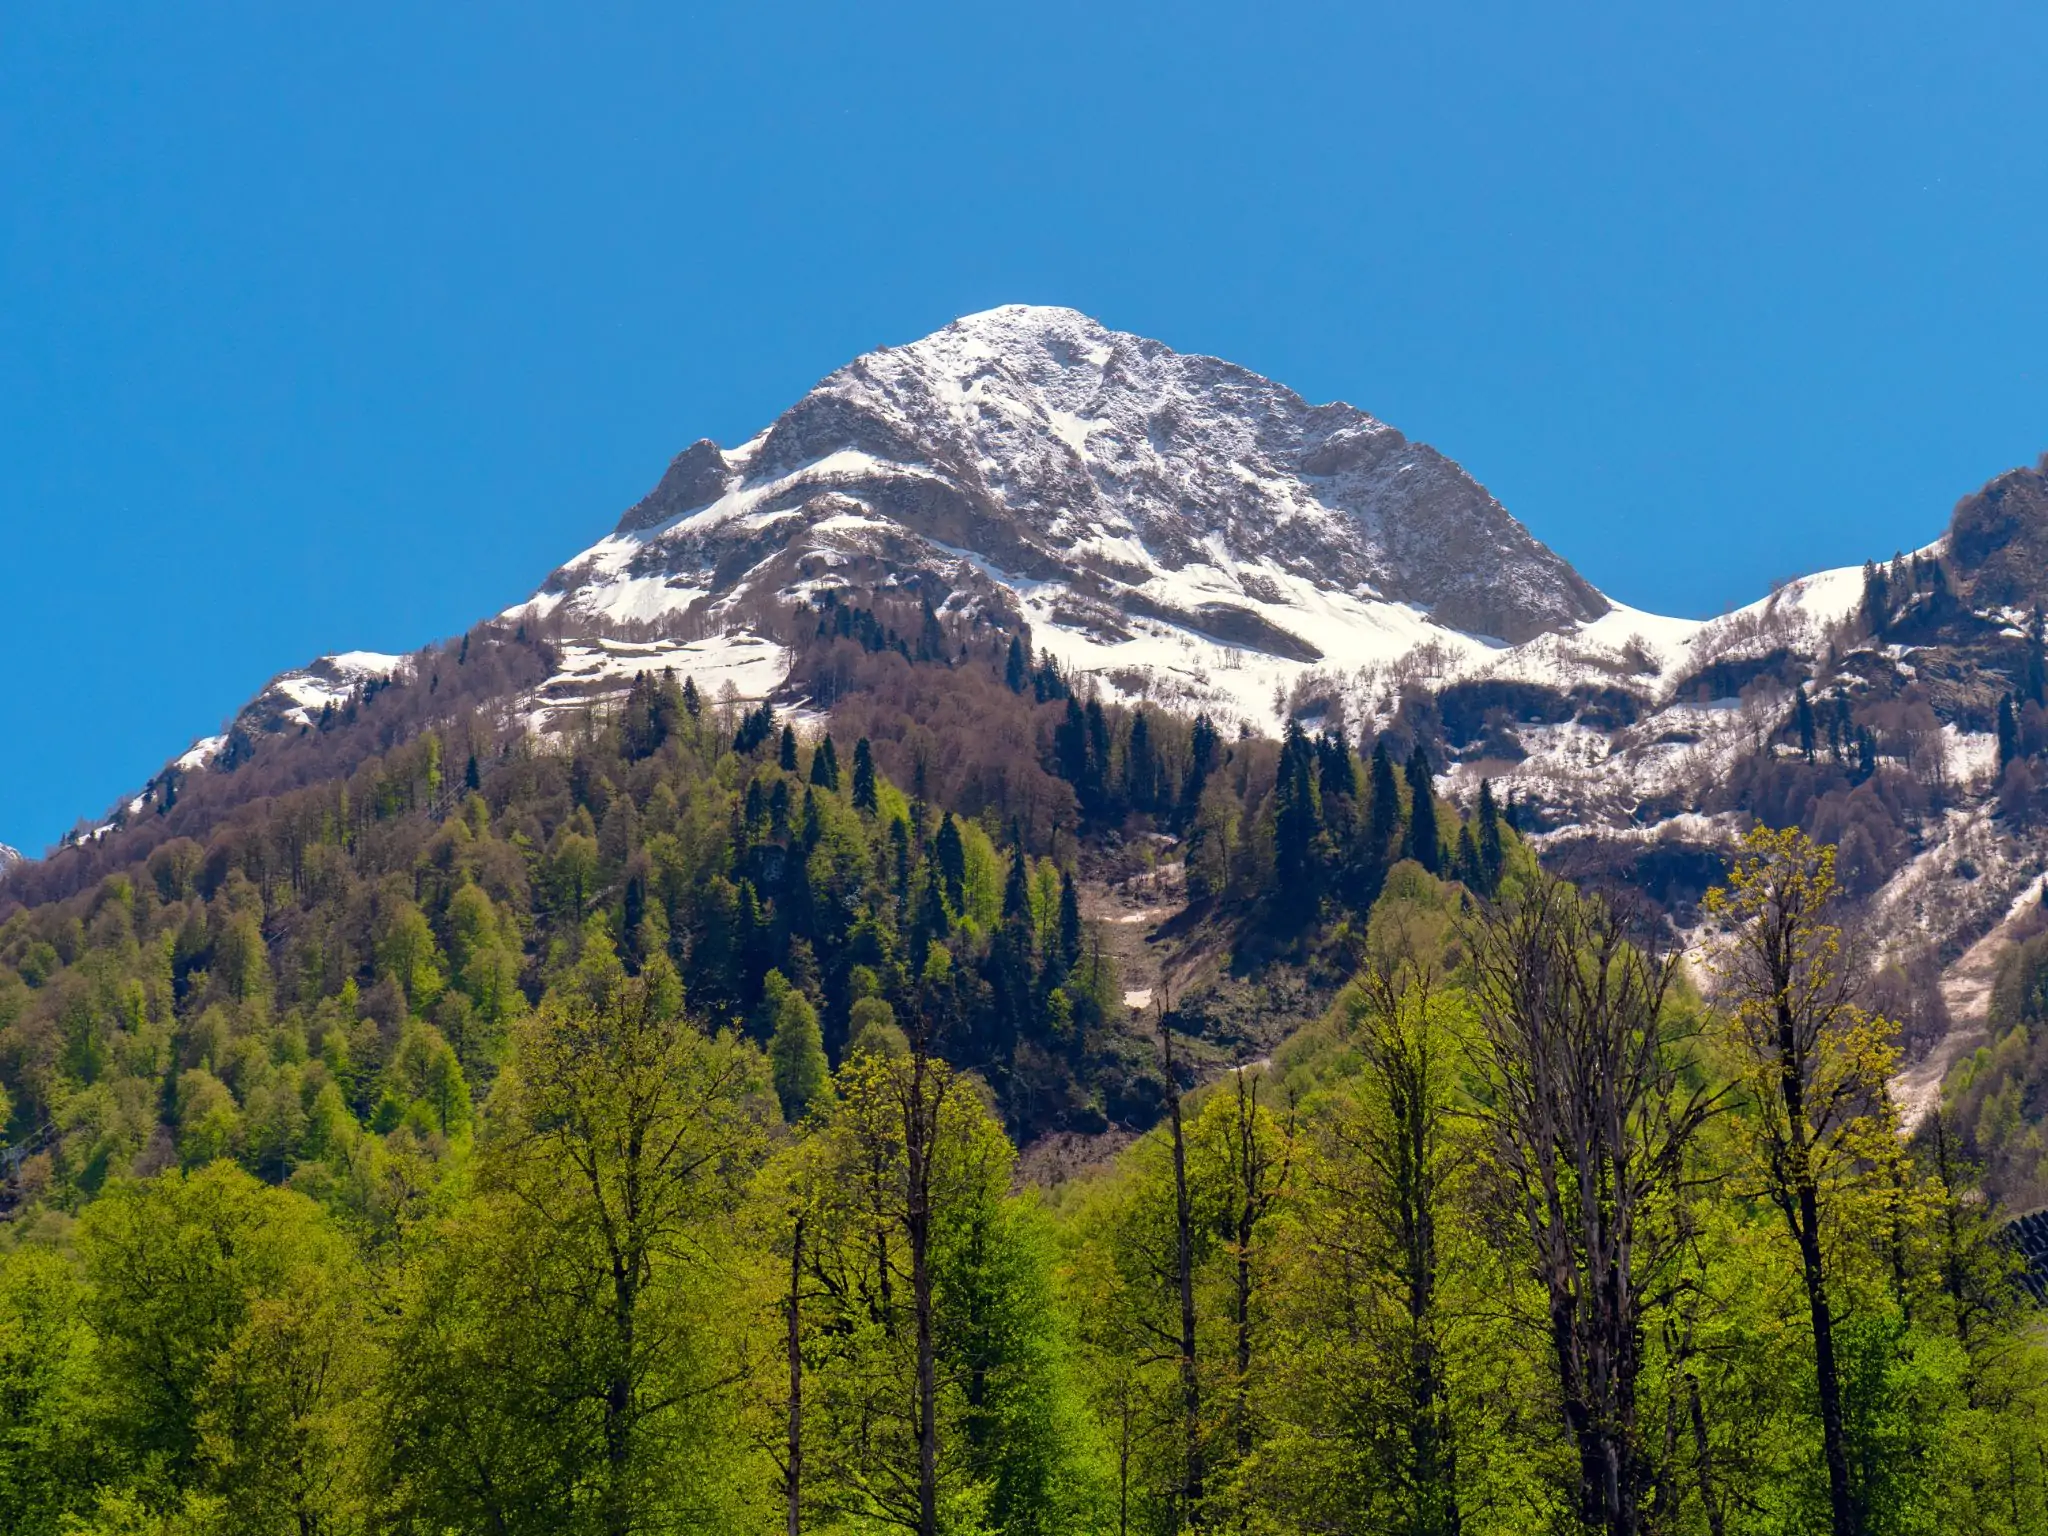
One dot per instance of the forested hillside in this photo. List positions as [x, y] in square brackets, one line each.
[434, 1127]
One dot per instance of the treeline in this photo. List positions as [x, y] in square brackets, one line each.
[1522, 1237]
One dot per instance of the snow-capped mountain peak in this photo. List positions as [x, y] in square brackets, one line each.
[1160, 516]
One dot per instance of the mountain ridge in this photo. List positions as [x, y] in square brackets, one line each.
[1176, 531]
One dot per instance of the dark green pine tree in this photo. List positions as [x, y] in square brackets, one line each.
[1492, 851]
[1070, 921]
[1070, 748]
[1017, 889]
[786, 758]
[864, 798]
[1139, 772]
[1297, 823]
[1383, 816]
[2008, 733]
[952, 861]
[1095, 784]
[1204, 745]
[1424, 845]
[1802, 719]
[472, 778]
[691, 700]
[825, 764]
[1877, 600]
[899, 866]
[1017, 670]
[1337, 793]
[931, 924]
[1469, 872]
[1866, 754]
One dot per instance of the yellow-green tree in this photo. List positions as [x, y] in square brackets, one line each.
[1813, 1063]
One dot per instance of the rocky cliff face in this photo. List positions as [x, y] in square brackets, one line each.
[1043, 449]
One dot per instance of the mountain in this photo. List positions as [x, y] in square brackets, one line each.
[1179, 532]
[1175, 525]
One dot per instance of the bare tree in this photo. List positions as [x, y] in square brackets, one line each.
[1592, 1127]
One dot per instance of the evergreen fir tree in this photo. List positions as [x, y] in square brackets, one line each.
[864, 796]
[1138, 768]
[1070, 748]
[1017, 889]
[1203, 746]
[1383, 825]
[1877, 602]
[1470, 872]
[1070, 921]
[691, 700]
[1095, 784]
[2008, 733]
[1297, 822]
[825, 764]
[1492, 853]
[1017, 670]
[952, 861]
[1423, 839]
[1803, 723]
[786, 758]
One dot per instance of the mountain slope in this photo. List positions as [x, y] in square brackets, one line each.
[1178, 531]
[1158, 519]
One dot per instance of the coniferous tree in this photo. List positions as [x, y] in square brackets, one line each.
[1095, 780]
[865, 797]
[825, 764]
[1383, 823]
[1017, 669]
[2008, 733]
[1139, 769]
[786, 757]
[1204, 747]
[1017, 888]
[1070, 745]
[1803, 723]
[1070, 921]
[1297, 824]
[1424, 843]
[1876, 599]
[1492, 851]
[951, 859]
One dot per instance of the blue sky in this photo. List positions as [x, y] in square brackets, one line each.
[338, 327]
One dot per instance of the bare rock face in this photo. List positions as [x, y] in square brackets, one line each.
[1051, 449]
[696, 477]
[1998, 540]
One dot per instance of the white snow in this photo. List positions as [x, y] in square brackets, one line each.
[200, 753]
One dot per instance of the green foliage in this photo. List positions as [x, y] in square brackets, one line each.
[366, 1168]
